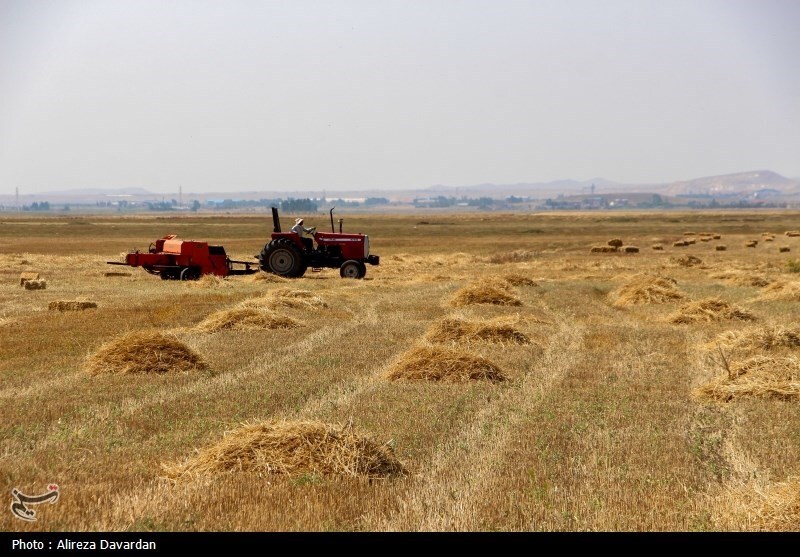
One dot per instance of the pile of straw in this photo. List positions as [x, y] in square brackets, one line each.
[459, 330]
[144, 352]
[484, 293]
[646, 289]
[519, 280]
[781, 290]
[244, 319]
[687, 261]
[261, 276]
[292, 448]
[288, 298]
[442, 364]
[72, 305]
[742, 278]
[710, 309]
[759, 339]
[209, 281]
[759, 376]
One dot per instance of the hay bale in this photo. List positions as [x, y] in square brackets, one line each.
[708, 310]
[292, 448]
[616, 242]
[144, 352]
[680, 244]
[25, 277]
[759, 376]
[245, 319]
[604, 249]
[751, 244]
[716, 237]
[442, 364]
[783, 249]
[459, 330]
[40, 284]
[689, 233]
[657, 247]
[646, 289]
[770, 239]
[690, 241]
[71, 305]
[705, 239]
[116, 274]
[792, 233]
[631, 249]
[483, 293]
[720, 247]
[687, 261]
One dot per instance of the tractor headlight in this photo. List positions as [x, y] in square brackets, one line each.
[366, 246]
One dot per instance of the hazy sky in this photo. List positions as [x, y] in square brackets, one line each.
[345, 94]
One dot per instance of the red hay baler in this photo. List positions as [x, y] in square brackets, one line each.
[174, 259]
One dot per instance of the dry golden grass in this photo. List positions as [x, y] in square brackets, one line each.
[433, 363]
[484, 293]
[516, 256]
[460, 330]
[758, 376]
[708, 310]
[646, 289]
[781, 290]
[245, 319]
[71, 305]
[144, 352]
[292, 448]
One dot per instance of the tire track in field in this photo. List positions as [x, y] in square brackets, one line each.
[443, 498]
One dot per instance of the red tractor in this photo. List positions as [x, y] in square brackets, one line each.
[286, 254]
[173, 259]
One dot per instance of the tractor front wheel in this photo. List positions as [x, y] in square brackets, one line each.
[352, 269]
[282, 257]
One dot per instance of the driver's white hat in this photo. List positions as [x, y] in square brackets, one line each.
[299, 221]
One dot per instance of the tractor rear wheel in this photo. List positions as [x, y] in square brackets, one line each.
[352, 269]
[282, 257]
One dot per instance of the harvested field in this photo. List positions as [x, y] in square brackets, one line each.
[443, 364]
[597, 427]
[646, 289]
[245, 319]
[71, 305]
[759, 376]
[144, 352]
[759, 507]
[459, 330]
[708, 310]
[483, 293]
[292, 448]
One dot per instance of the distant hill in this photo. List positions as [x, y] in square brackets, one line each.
[735, 184]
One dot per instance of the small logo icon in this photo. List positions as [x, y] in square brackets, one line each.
[20, 500]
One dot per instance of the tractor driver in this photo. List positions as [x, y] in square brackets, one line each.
[306, 234]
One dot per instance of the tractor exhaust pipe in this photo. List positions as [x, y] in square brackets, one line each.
[340, 225]
[276, 223]
[332, 228]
